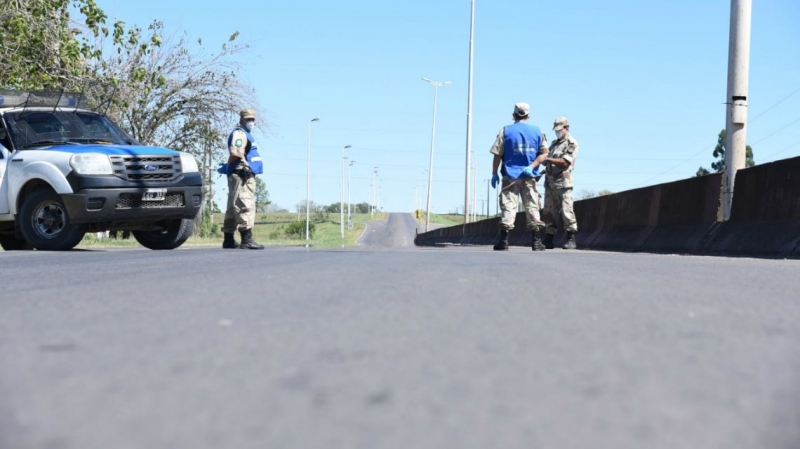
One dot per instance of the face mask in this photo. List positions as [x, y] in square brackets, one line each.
[249, 126]
[560, 134]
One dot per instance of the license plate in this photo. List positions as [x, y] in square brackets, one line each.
[154, 195]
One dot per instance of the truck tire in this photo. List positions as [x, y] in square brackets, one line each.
[173, 235]
[9, 242]
[44, 222]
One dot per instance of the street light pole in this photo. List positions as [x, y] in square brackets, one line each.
[469, 110]
[341, 194]
[373, 194]
[436, 85]
[308, 176]
[487, 198]
[349, 201]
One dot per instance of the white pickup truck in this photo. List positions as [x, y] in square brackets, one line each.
[66, 171]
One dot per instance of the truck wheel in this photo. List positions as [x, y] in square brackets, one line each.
[10, 243]
[44, 222]
[173, 235]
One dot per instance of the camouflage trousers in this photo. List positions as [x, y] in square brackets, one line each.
[512, 190]
[241, 212]
[558, 202]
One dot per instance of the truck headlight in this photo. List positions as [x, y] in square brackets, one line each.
[189, 163]
[91, 164]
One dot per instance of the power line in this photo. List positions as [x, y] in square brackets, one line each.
[774, 105]
[776, 132]
[749, 121]
[781, 151]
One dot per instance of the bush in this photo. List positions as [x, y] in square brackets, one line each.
[297, 230]
[206, 227]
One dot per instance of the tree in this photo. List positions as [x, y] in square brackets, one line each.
[334, 208]
[362, 208]
[175, 95]
[40, 47]
[262, 196]
[586, 194]
[171, 96]
[719, 154]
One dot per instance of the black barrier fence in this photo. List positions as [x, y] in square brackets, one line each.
[683, 217]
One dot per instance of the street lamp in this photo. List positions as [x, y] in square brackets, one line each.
[373, 194]
[436, 85]
[469, 110]
[308, 176]
[341, 193]
[349, 202]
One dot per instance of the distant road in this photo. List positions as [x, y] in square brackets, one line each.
[398, 231]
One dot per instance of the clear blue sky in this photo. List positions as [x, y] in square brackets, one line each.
[642, 82]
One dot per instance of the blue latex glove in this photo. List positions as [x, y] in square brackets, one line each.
[495, 180]
[223, 169]
[527, 172]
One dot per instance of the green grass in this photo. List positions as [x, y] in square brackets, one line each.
[269, 231]
[447, 220]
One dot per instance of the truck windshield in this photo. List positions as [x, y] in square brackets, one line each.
[31, 129]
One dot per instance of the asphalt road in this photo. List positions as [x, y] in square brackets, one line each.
[398, 231]
[406, 348]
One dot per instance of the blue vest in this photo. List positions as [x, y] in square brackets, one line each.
[252, 156]
[521, 143]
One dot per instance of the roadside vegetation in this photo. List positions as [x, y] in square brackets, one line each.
[275, 229]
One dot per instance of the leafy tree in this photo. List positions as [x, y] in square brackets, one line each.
[362, 208]
[262, 196]
[41, 48]
[334, 208]
[605, 192]
[312, 206]
[171, 93]
[172, 96]
[719, 154]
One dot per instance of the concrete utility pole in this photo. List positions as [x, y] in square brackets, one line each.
[469, 111]
[736, 113]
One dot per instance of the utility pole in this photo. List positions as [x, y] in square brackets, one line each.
[736, 101]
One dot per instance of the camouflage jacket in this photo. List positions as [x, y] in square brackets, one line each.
[557, 177]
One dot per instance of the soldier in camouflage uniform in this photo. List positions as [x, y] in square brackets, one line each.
[243, 165]
[521, 148]
[558, 185]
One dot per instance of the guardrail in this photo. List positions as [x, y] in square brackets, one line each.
[683, 217]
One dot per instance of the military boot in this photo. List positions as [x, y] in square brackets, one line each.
[570, 241]
[229, 242]
[548, 241]
[247, 240]
[502, 245]
[537, 244]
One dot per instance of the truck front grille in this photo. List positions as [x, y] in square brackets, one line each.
[134, 201]
[147, 168]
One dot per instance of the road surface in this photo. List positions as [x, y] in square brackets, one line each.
[406, 348]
